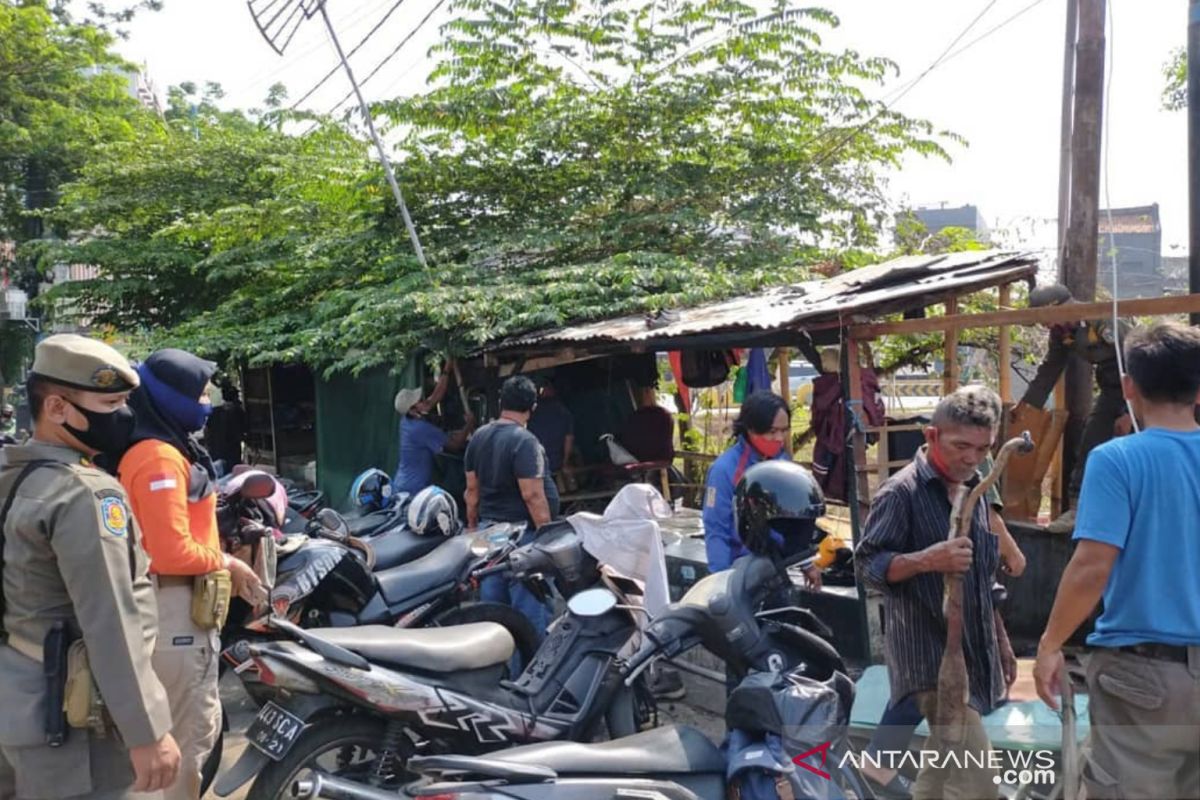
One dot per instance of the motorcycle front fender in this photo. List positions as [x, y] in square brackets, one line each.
[244, 770]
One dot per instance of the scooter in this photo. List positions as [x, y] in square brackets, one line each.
[794, 699]
[360, 702]
[320, 580]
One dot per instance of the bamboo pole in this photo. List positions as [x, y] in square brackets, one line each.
[1005, 356]
[950, 351]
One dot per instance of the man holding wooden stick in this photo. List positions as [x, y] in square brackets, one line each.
[905, 553]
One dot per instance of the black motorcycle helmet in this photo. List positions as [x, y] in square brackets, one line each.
[781, 496]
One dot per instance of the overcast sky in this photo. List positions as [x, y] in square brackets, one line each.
[1002, 94]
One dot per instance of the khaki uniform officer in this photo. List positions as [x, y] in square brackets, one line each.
[73, 569]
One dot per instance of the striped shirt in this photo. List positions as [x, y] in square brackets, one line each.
[911, 512]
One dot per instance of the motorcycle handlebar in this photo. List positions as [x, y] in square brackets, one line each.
[493, 570]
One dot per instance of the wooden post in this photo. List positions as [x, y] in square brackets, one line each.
[950, 352]
[781, 355]
[859, 466]
[1005, 357]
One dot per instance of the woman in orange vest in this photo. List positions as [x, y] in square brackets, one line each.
[171, 485]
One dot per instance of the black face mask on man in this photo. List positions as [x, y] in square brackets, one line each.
[107, 432]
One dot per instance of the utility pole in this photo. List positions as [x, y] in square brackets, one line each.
[1193, 112]
[1064, 156]
[1082, 243]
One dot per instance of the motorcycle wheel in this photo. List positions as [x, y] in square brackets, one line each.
[522, 630]
[346, 747]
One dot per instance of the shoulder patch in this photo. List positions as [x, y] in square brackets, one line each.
[710, 497]
[104, 494]
[114, 516]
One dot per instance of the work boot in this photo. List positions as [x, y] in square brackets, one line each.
[1064, 524]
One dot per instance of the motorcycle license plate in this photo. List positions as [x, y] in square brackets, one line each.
[274, 731]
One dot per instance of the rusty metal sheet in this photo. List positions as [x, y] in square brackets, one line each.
[876, 289]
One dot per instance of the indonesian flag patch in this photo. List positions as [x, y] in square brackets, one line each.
[163, 482]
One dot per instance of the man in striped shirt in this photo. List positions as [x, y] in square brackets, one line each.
[904, 552]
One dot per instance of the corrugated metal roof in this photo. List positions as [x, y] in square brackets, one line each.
[880, 288]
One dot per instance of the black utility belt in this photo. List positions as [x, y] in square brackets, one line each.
[1160, 652]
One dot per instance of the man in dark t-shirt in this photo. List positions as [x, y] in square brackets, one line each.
[554, 426]
[508, 481]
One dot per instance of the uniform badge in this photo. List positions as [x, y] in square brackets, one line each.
[105, 377]
[710, 497]
[114, 516]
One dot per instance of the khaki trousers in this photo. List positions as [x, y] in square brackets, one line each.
[185, 661]
[1144, 740]
[970, 782]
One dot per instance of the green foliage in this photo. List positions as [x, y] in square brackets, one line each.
[1174, 93]
[569, 162]
[63, 93]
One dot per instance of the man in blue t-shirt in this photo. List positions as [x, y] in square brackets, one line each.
[420, 439]
[1138, 535]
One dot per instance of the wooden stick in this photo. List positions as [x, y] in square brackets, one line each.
[953, 680]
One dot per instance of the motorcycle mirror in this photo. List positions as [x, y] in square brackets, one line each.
[257, 487]
[328, 518]
[592, 603]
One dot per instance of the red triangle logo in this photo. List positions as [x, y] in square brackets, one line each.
[823, 749]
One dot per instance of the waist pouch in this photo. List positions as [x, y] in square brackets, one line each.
[81, 700]
[210, 599]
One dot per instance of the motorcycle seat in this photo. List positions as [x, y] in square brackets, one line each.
[400, 546]
[676, 749]
[376, 520]
[442, 565]
[459, 647]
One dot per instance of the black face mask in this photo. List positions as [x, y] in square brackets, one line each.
[108, 432]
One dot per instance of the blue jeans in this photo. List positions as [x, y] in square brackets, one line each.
[503, 589]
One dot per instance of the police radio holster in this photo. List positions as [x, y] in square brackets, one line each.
[54, 668]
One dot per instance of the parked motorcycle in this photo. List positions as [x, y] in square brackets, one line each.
[323, 576]
[793, 696]
[360, 702]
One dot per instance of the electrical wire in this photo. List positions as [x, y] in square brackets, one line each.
[379, 66]
[820, 159]
[353, 50]
[974, 42]
[1112, 241]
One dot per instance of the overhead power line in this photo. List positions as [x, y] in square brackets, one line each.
[353, 50]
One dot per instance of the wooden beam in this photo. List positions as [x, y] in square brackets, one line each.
[950, 351]
[1005, 355]
[1073, 312]
[854, 373]
[781, 356]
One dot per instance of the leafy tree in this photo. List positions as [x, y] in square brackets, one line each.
[1174, 94]
[63, 92]
[569, 161]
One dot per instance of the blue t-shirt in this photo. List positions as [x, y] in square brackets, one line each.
[420, 441]
[1141, 494]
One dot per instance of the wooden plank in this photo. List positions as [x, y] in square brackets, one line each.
[860, 438]
[1005, 355]
[781, 357]
[950, 351]
[881, 450]
[1148, 306]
